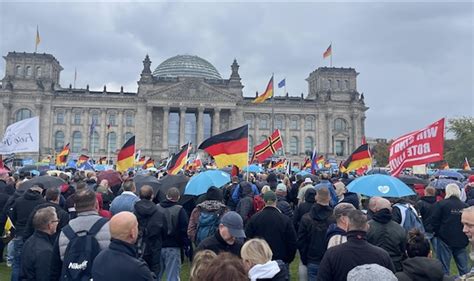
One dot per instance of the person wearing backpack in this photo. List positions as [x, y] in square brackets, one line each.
[72, 259]
[176, 237]
[386, 233]
[151, 229]
[119, 261]
[245, 205]
[205, 217]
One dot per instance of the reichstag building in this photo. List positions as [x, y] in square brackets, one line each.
[184, 99]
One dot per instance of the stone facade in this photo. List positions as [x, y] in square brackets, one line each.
[330, 118]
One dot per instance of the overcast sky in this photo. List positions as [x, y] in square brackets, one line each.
[415, 59]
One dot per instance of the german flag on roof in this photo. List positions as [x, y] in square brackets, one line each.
[359, 158]
[126, 155]
[178, 160]
[228, 148]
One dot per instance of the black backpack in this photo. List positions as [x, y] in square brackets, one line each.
[80, 252]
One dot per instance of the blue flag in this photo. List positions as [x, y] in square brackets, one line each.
[282, 83]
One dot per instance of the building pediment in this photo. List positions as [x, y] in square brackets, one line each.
[191, 90]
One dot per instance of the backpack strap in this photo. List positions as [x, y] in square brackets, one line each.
[69, 232]
[97, 226]
[403, 210]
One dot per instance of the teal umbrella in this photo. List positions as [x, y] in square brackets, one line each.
[200, 183]
[380, 185]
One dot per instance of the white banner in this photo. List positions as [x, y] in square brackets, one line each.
[22, 136]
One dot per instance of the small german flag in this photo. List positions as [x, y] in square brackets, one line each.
[103, 160]
[178, 160]
[328, 52]
[228, 148]
[465, 165]
[359, 158]
[267, 94]
[149, 163]
[306, 164]
[82, 159]
[279, 164]
[61, 159]
[141, 161]
[126, 155]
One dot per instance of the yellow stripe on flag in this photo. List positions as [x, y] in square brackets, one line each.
[237, 159]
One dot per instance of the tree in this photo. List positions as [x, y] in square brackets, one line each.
[380, 153]
[462, 146]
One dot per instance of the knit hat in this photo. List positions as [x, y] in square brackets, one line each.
[269, 196]
[371, 271]
[214, 193]
[281, 187]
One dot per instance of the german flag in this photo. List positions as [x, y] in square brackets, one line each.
[61, 158]
[103, 160]
[328, 52]
[359, 158]
[126, 155]
[267, 94]
[82, 159]
[306, 164]
[149, 163]
[465, 165]
[279, 164]
[141, 161]
[178, 160]
[267, 147]
[228, 148]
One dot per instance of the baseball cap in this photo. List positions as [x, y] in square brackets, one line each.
[233, 221]
[308, 180]
[281, 187]
[269, 196]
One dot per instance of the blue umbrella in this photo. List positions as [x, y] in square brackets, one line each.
[442, 183]
[303, 173]
[295, 170]
[380, 185]
[448, 174]
[200, 183]
[253, 169]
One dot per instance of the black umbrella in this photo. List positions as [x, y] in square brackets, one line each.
[169, 181]
[141, 180]
[382, 171]
[29, 168]
[407, 179]
[442, 183]
[46, 181]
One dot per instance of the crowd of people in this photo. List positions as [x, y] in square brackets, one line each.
[250, 229]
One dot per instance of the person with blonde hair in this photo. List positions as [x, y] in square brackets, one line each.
[448, 230]
[257, 257]
[201, 262]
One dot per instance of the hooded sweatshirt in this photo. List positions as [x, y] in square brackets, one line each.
[267, 271]
[421, 269]
[335, 235]
[304, 207]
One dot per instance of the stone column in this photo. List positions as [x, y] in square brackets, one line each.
[86, 130]
[321, 133]
[329, 133]
[286, 142]
[104, 138]
[149, 128]
[354, 141]
[140, 129]
[120, 129]
[256, 137]
[216, 121]
[200, 126]
[302, 134]
[6, 114]
[67, 121]
[166, 113]
[362, 127]
[42, 129]
[182, 123]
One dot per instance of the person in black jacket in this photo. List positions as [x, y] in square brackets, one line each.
[228, 237]
[38, 249]
[339, 260]
[425, 206]
[387, 234]
[304, 207]
[119, 261]
[312, 232]
[448, 230]
[276, 228]
[282, 204]
[152, 228]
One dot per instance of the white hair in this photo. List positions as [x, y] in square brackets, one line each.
[452, 189]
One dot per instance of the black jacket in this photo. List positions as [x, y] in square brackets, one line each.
[152, 229]
[277, 229]
[312, 233]
[179, 236]
[304, 207]
[352, 198]
[340, 259]
[446, 222]
[23, 207]
[217, 244]
[119, 262]
[388, 235]
[426, 205]
[36, 257]
[421, 269]
[63, 217]
[284, 206]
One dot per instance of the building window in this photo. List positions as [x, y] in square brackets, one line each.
[22, 114]
[280, 122]
[249, 121]
[309, 123]
[347, 84]
[60, 117]
[77, 118]
[18, 70]
[340, 124]
[127, 136]
[308, 144]
[29, 71]
[339, 148]
[59, 141]
[263, 122]
[95, 142]
[38, 72]
[76, 142]
[190, 128]
[331, 84]
[95, 118]
[294, 145]
[129, 119]
[112, 141]
[173, 131]
[339, 84]
[294, 123]
[112, 119]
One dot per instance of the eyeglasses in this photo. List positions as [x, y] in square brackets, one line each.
[54, 221]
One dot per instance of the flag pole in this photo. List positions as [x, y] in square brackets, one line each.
[108, 146]
[272, 102]
[285, 88]
[248, 149]
[75, 77]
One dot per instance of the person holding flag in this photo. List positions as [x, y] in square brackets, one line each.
[61, 158]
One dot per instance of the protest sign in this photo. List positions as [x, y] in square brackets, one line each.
[22, 136]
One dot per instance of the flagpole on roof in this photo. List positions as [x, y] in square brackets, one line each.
[285, 87]
[248, 149]
[273, 108]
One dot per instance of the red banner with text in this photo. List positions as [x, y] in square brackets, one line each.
[419, 147]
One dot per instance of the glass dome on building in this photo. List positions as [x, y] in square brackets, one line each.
[186, 66]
